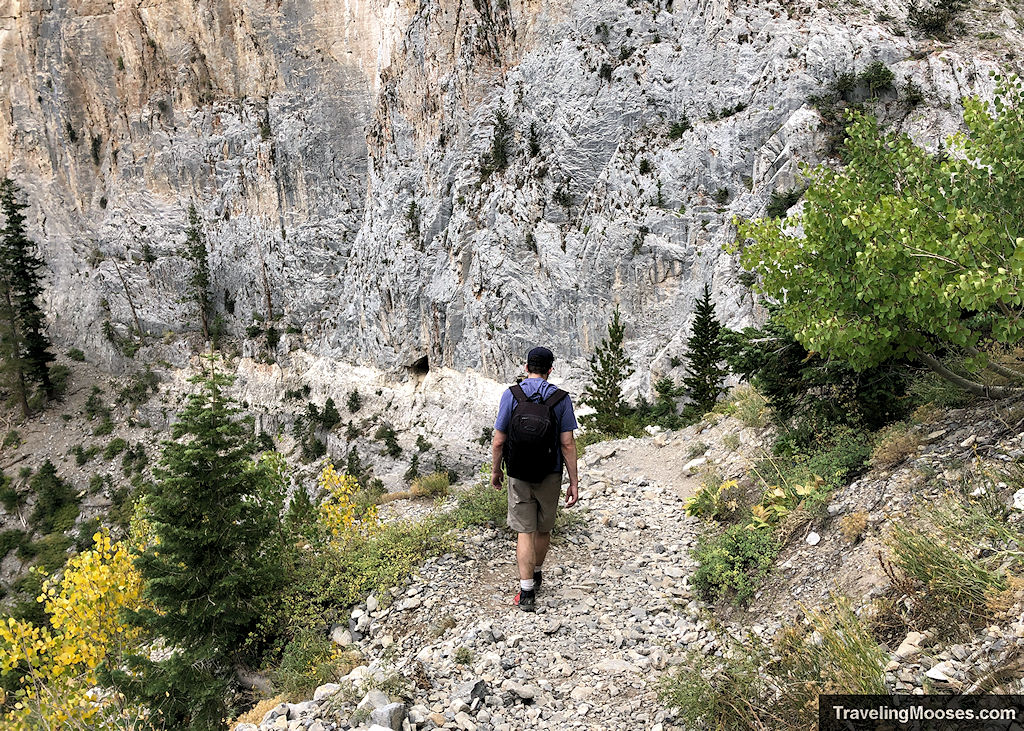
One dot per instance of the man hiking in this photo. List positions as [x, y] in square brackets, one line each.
[533, 437]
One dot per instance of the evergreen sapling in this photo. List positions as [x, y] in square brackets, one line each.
[609, 367]
[214, 564]
[703, 382]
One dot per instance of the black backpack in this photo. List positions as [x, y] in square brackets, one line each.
[532, 446]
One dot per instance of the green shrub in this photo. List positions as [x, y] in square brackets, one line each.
[114, 448]
[354, 401]
[422, 444]
[264, 442]
[76, 354]
[12, 539]
[734, 563]
[27, 550]
[715, 499]
[679, 128]
[439, 466]
[60, 374]
[843, 456]
[718, 693]
[463, 656]
[591, 436]
[86, 530]
[312, 448]
[877, 77]
[83, 455]
[96, 483]
[935, 20]
[11, 439]
[56, 505]
[104, 428]
[386, 434]
[134, 460]
[10, 498]
[930, 388]
[137, 390]
[781, 202]
[328, 580]
[27, 609]
[481, 504]
[839, 455]
[52, 551]
[431, 485]
[309, 660]
[94, 405]
[368, 496]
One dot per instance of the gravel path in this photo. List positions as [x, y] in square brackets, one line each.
[613, 610]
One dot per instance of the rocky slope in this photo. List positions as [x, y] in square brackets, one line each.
[447, 650]
[334, 151]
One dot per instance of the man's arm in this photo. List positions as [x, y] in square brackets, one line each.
[568, 443]
[496, 447]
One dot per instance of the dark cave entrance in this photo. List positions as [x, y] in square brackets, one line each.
[420, 366]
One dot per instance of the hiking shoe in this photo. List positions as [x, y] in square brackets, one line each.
[526, 600]
[536, 580]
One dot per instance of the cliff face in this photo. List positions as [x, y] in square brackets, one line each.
[334, 151]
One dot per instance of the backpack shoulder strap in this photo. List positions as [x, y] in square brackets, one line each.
[554, 398]
[518, 393]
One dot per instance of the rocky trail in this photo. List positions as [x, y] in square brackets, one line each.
[613, 609]
[448, 649]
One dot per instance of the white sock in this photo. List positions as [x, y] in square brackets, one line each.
[526, 584]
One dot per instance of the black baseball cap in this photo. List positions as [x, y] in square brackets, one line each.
[539, 360]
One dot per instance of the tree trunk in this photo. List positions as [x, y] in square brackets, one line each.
[978, 389]
[19, 372]
[128, 296]
[266, 282]
[1002, 370]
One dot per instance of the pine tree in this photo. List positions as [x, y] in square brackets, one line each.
[703, 382]
[330, 417]
[609, 367]
[214, 563]
[196, 254]
[24, 345]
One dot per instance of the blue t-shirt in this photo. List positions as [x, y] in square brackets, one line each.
[531, 387]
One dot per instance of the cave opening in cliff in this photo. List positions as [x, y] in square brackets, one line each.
[421, 366]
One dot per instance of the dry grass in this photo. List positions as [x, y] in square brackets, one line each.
[893, 444]
[926, 414]
[1003, 604]
[751, 406]
[390, 497]
[853, 525]
[256, 713]
[951, 583]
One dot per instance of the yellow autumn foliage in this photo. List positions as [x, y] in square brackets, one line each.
[58, 663]
[338, 511]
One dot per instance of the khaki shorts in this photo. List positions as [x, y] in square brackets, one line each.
[532, 505]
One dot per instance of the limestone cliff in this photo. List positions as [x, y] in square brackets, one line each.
[335, 152]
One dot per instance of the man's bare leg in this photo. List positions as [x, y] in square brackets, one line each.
[540, 550]
[525, 554]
